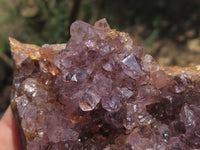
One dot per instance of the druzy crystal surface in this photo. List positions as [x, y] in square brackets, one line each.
[101, 92]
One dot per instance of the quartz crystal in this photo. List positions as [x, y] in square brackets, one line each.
[101, 92]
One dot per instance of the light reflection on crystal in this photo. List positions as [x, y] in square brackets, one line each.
[126, 92]
[74, 78]
[131, 63]
[89, 101]
[107, 67]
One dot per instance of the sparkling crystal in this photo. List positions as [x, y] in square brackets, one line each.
[89, 101]
[74, 78]
[30, 85]
[102, 25]
[188, 117]
[179, 89]
[103, 84]
[107, 67]
[126, 92]
[79, 30]
[131, 63]
[112, 104]
[100, 92]
[61, 60]
[149, 64]
[19, 57]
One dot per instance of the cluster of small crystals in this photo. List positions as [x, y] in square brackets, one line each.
[102, 93]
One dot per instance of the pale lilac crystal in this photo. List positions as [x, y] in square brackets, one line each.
[159, 79]
[143, 137]
[30, 86]
[131, 120]
[19, 57]
[100, 92]
[103, 84]
[126, 92]
[102, 27]
[79, 30]
[149, 64]
[131, 63]
[80, 75]
[188, 117]
[58, 134]
[107, 67]
[62, 61]
[89, 101]
[112, 104]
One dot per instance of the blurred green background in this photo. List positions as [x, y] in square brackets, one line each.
[168, 29]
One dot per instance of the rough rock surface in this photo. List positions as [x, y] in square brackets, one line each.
[100, 92]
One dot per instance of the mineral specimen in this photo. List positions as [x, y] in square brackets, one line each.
[100, 92]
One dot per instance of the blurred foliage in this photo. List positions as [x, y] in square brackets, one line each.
[48, 21]
[34, 20]
[155, 33]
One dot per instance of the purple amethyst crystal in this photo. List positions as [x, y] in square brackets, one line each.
[99, 92]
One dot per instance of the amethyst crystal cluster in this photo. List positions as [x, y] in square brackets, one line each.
[100, 92]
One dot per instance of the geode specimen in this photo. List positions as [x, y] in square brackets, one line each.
[100, 92]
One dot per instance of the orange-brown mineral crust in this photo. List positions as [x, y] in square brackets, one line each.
[100, 92]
